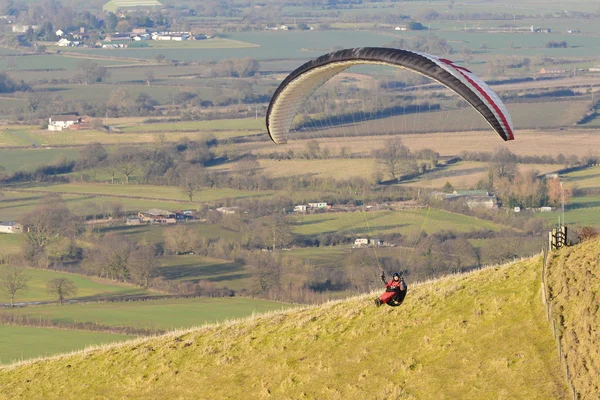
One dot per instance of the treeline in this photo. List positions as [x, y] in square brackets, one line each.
[560, 159]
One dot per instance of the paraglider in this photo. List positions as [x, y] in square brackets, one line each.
[302, 83]
[299, 85]
[395, 291]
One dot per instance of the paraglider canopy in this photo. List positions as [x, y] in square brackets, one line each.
[303, 82]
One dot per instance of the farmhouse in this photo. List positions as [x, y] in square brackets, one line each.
[118, 37]
[174, 36]
[472, 198]
[10, 227]
[115, 6]
[60, 122]
[228, 210]
[545, 71]
[319, 206]
[157, 216]
[360, 242]
[300, 208]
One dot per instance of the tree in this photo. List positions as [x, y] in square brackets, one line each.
[396, 157]
[558, 193]
[12, 281]
[448, 188]
[160, 58]
[111, 22]
[92, 154]
[277, 232]
[35, 99]
[61, 288]
[503, 164]
[360, 269]
[127, 162]
[90, 72]
[46, 224]
[149, 75]
[178, 239]
[143, 265]
[110, 257]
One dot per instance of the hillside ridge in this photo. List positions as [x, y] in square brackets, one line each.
[477, 335]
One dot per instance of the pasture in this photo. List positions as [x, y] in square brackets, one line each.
[371, 223]
[88, 288]
[191, 268]
[527, 142]
[22, 342]
[15, 205]
[10, 244]
[241, 124]
[584, 179]
[29, 159]
[466, 174]
[146, 192]
[154, 233]
[165, 314]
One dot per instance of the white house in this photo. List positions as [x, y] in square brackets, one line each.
[10, 227]
[400, 28]
[64, 42]
[284, 28]
[300, 208]
[319, 205]
[60, 122]
[59, 33]
[228, 210]
[361, 242]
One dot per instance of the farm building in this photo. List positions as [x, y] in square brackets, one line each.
[472, 198]
[60, 122]
[155, 215]
[118, 37]
[228, 210]
[115, 6]
[10, 227]
[360, 242]
[133, 221]
[300, 208]
[319, 206]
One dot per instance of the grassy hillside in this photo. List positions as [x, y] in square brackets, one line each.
[574, 287]
[474, 336]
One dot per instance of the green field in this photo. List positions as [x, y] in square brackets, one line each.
[10, 243]
[88, 288]
[464, 337]
[30, 159]
[585, 178]
[15, 205]
[242, 124]
[163, 315]
[21, 342]
[190, 268]
[379, 222]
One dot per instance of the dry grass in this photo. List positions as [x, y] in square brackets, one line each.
[527, 142]
[574, 287]
[473, 336]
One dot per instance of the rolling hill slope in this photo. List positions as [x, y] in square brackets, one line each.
[473, 336]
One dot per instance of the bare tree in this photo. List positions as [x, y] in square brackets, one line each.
[361, 269]
[12, 281]
[178, 239]
[61, 288]
[143, 265]
[395, 157]
[149, 75]
[110, 257]
[90, 72]
[46, 224]
[503, 164]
